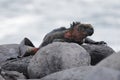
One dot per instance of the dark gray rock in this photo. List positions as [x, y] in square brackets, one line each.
[28, 79]
[26, 48]
[27, 42]
[98, 52]
[101, 73]
[12, 75]
[56, 57]
[8, 51]
[112, 61]
[19, 65]
[70, 74]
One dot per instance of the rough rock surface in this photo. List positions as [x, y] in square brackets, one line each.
[56, 57]
[101, 73]
[19, 65]
[112, 61]
[70, 74]
[98, 52]
[8, 51]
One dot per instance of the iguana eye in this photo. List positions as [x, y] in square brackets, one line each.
[81, 28]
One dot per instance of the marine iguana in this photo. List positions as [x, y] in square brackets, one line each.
[77, 33]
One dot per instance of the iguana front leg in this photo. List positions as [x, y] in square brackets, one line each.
[90, 41]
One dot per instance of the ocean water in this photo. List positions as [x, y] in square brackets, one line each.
[35, 18]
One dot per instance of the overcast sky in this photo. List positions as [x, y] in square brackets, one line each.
[35, 18]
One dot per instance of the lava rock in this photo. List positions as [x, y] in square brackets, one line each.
[12, 75]
[112, 61]
[70, 74]
[19, 65]
[102, 73]
[1, 78]
[56, 57]
[8, 51]
[98, 52]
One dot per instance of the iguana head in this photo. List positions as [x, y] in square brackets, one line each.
[78, 31]
[85, 28]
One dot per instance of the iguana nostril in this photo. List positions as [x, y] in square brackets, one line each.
[90, 31]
